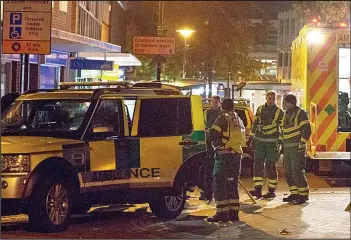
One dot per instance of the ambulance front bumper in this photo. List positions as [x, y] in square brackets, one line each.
[12, 186]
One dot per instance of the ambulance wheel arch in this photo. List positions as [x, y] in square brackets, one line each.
[185, 174]
[45, 169]
[169, 204]
[56, 182]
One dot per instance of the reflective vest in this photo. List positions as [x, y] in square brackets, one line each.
[267, 124]
[232, 131]
[296, 127]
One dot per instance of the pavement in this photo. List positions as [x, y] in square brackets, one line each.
[322, 217]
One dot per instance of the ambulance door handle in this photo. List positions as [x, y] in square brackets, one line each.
[112, 138]
[188, 143]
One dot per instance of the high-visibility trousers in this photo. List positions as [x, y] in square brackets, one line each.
[294, 163]
[266, 157]
[226, 174]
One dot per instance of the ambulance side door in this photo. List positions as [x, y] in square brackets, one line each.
[160, 126]
[106, 129]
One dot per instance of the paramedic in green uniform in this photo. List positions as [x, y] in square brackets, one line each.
[265, 134]
[227, 136]
[296, 132]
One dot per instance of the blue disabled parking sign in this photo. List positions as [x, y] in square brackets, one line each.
[15, 18]
[15, 32]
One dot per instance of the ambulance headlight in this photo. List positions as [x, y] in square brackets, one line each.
[15, 163]
[315, 36]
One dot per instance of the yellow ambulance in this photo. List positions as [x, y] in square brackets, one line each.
[65, 150]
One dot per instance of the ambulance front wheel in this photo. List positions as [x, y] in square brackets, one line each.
[168, 206]
[50, 205]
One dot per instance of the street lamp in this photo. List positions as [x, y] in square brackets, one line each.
[186, 33]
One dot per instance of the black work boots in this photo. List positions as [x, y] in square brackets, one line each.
[298, 199]
[232, 215]
[301, 199]
[257, 192]
[219, 217]
[270, 193]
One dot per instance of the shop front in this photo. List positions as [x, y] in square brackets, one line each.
[52, 69]
[10, 71]
[123, 66]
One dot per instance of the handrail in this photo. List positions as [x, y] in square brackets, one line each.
[314, 125]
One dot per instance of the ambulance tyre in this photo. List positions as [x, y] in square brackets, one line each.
[168, 206]
[51, 204]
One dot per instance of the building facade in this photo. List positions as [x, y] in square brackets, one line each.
[289, 27]
[266, 53]
[78, 27]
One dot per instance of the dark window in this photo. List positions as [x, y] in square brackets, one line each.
[109, 116]
[286, 59]
[280, 60]
[165, 117]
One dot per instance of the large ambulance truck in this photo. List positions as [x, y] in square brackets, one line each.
[321, 82]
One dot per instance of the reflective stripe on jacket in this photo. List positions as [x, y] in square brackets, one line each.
[296, 127]
[267, 124]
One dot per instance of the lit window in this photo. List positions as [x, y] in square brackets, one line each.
[63, 6]
[52, 4]
[2, 5]
[344, 106]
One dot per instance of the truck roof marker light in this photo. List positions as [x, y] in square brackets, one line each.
[343, 24]
[315, 36]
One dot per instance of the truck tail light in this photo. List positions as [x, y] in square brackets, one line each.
[321, 148]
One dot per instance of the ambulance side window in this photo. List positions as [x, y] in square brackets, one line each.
[165, 117]
[108, 120]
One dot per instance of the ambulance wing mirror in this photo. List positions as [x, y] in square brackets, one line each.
[102, 128]
[240, 85]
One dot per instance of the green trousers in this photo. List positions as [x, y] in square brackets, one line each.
[294, 170]
[265, 164]
[226, 173]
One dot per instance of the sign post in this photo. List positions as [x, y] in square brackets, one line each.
[26, 30]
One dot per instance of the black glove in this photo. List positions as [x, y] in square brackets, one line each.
[249, 141]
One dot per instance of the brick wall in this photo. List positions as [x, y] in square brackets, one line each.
[15, 77]
[74, 16]
[62, 20]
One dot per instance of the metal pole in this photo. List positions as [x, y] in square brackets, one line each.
[24, 72]
[184, 57]
[159, 33]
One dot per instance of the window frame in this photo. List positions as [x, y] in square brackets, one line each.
[63, 6]
[91, 136]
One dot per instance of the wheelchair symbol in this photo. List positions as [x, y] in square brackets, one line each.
[15, 32]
